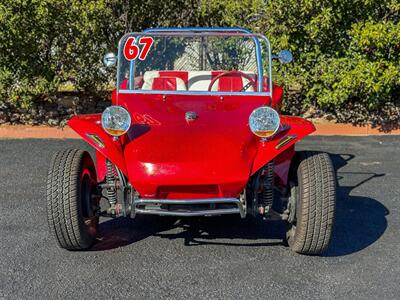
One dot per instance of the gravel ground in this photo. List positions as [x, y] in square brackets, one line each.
[223, 257]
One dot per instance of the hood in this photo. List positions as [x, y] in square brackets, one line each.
[168, 156]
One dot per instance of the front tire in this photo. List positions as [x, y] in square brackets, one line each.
[312, 203]
[71, 201]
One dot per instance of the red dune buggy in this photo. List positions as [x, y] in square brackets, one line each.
[194, 129]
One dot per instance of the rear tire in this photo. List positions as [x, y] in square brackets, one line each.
[71, 204]
[312, 203]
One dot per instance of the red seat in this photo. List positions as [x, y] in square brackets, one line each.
[164, 84]
[165, 80]
[230, 83]
[180, 74]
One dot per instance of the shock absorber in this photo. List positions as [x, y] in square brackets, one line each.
[266, 196]
[111, 188]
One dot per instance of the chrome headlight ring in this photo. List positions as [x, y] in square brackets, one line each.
[116, 120]
[264, 121]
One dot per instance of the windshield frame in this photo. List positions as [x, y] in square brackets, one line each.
[193, 32]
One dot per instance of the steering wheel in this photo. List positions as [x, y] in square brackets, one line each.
[251, 80]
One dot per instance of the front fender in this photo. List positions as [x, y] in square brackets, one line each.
[294, 129]
[89, 128]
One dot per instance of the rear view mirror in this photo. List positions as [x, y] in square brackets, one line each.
[285, 56]
[109, 60]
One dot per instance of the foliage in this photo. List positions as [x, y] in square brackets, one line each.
[45, 43]
[346, 51]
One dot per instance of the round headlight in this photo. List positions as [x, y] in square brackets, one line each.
[264, 121]
[115, 120]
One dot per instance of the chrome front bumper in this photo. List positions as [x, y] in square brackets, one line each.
[172, 207]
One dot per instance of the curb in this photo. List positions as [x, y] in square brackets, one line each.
[36, 132]
[45, 132]
[327, 129]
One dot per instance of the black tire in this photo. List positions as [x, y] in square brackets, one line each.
[71, 206]
[312, 211]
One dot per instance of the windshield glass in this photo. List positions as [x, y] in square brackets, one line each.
[209, 62]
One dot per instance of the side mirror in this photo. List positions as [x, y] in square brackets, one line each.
[109, 60]
[284, 56]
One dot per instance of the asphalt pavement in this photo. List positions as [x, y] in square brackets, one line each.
[221, 257]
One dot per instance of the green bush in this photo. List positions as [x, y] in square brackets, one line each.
[45, 44]
[345, 52]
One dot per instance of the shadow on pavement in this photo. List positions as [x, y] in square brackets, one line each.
[115, 233]
[121, 232]
[360, 221]
[228, 231]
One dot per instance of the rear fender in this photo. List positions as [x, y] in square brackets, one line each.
[281, 146]
[89, 128]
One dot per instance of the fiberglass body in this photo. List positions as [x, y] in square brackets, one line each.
[164, 155]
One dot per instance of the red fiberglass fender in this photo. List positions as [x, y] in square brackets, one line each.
[90, 129]
[293, 130]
